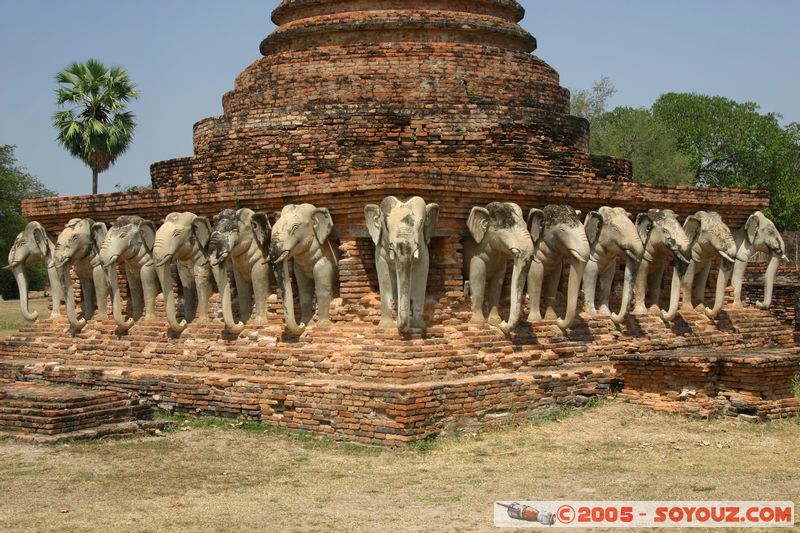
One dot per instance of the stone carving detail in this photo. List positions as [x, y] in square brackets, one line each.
[130, 242]
[183, 238]
[557, 233]
[401, 232]
[611, 234]
[32, 245]
[301, 235]
[498, 233]
[759, 234]
[233, 246]
[76, 247]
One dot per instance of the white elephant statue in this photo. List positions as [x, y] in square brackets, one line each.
[759, 234]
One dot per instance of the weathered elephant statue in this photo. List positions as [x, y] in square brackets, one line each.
[233, 246]
[76, 247]
[709, 237]
[611, 234]
[401, 232]
[557, 233]
[499, 233]
[183, 238]
[130, 242]
[34, 244]
[301, 235]
[759, 234]
[663, 238]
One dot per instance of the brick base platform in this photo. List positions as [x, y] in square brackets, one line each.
[753, 385]
[50, 413]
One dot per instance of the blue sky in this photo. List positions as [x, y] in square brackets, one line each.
[185, 54]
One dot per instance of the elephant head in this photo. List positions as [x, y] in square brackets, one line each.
[182, 237]
[401, 232]
[557, 233]
[758, 235]
[232, 236]
[500, 231]
[709, 237]
[299, 229]
[130, 238]
[76, 246]
[33, 244]
[611, 234]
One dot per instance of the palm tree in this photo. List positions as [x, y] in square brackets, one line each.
[96, 126]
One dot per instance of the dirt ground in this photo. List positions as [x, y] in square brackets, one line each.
[215, 475]
[11, 318]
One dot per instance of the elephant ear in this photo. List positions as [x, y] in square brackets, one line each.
[323, 223]
[593, 225]
[644, 225]
[431, 220]
[40, 238]
[262, 229]
[478, 223]
[374, 218]
[201, 228]
[751, 228]
[98, 232]
[147, 232]
[692, 226]
[536, 223]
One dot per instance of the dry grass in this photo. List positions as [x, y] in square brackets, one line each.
[208, 476]
[11, 318]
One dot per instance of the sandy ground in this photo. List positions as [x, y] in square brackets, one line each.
[211, 475]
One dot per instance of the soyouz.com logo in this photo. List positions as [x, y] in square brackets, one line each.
[590, 514]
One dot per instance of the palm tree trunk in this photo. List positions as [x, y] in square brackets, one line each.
[94, 181]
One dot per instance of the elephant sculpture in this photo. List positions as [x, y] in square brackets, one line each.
[301, 235]
[557, 233]
[76, 247]
[233, 246]
[759, 234]
[34, 244]
[129, 242]
[183, 238]
[611, 234]
[499, 232]
[709, 237]
[402, 231]
[663, 238]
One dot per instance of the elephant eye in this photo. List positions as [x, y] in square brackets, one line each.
[295, 227]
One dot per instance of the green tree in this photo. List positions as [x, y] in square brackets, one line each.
[16, 185]
[592, 104]
[95, 125]
[634, 134]
[732, 144]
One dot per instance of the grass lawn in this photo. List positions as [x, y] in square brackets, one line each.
[215, 475]
[11, 317]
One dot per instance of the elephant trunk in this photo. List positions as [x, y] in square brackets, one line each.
[575, 275]
[288, 299]
[404, 296]
[627, 291]
[769, 280]
[22, 284]
[224, 284]
[116, 300]
[165, 278]
[674, 294]
[69, 299]
[723, 277]
[518, 278]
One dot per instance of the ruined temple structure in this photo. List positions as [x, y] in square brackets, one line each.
[356, 100]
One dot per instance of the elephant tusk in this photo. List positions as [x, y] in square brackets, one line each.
[110, 262]
[727, 257]
[164, 261]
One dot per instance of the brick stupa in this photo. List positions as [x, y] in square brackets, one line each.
[355, 100]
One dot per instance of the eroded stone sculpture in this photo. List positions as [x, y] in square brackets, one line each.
[557, 233]
[75, 247]
[31, 245]
[611, 234]
[301, 235]
[499, 232]
[129, 242]
[183, 238]
[759, 234]
[233, 246]
[664, 239]
[401, 232]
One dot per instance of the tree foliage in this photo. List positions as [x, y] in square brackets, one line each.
[592, 104]
[16, 185]
[94, 124]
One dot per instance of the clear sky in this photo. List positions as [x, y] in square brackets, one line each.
[185, 54]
